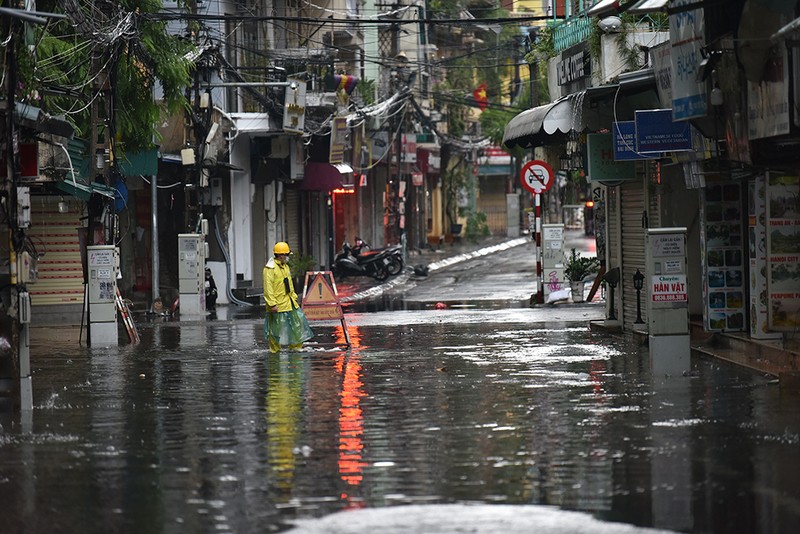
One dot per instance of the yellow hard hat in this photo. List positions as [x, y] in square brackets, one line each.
[281, 247]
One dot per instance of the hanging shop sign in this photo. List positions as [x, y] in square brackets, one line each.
[573, 69]
[657, 132]
[625, 143]
[662, 67]
[602, 166]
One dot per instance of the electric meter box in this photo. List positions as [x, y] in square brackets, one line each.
[103, 265]
[553, 258]
[667, 293]
[667, 301]
[191, 272]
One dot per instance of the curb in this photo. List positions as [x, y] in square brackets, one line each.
[434, 266]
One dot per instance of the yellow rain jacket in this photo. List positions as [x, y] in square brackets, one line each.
[278, 287]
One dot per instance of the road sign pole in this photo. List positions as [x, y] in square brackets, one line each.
[537, 208]
[537, 177]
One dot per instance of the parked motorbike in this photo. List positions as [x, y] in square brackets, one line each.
[347, 264]
[395, 264]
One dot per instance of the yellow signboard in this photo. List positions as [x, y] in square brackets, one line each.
[322, 312]
[320, 300]
[319, 291]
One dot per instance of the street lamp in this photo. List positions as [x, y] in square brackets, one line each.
[612, 279]
[638, 284]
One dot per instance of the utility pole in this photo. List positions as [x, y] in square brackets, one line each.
[19, 383]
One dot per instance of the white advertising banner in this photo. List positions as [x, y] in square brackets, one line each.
[687, 38]
[757, 241]
[783, 251]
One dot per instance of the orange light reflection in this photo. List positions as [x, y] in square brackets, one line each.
[597, 370]
[351, 420]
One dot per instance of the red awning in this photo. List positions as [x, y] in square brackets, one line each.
[324, 176]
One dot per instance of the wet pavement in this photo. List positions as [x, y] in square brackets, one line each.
[481, 415]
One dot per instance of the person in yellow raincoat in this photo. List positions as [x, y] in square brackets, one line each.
[285, 324]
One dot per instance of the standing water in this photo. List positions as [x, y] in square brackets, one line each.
[200, 429]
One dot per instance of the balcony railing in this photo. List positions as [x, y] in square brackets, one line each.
[571, 31]
[574, 30]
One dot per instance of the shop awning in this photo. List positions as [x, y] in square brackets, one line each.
[523, 129]
[590, 110]
[321, 176]
[573, 113]
[84, 191]
[603, 7]
[647, 6]
[549, 123]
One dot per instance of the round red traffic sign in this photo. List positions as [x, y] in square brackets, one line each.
[536, 176]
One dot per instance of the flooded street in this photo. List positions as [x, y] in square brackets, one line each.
[199, 429]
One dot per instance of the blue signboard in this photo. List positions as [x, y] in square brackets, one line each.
[655, 132]
[625, 143]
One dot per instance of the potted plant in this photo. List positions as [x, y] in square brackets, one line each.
[576, 269]
[477, 227]
[299, 264]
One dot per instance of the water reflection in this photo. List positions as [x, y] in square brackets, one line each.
[351, 419]
[283, 404]
[203, 430]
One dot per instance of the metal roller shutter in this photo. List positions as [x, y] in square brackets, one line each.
[492, 203]
[613, 223]
[633, 202]
[293, 222]
[55, 238]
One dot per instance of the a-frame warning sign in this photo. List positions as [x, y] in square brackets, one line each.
[321, 301]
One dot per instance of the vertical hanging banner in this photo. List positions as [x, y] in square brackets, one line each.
[757, 240]
[338, 140]
[294, 106]
[783, 251]
[723, 268]
[686, 33]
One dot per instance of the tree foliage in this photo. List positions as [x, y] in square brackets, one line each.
[71, 57]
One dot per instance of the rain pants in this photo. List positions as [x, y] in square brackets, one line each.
[288, 325]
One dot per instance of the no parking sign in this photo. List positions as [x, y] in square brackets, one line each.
[536, 176]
